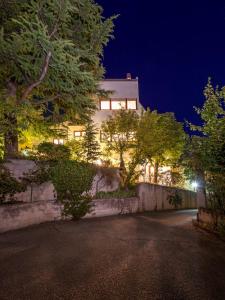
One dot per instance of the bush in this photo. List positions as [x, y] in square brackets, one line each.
[72, 180]
[175, 199]
[9, 186]
[53, 152]
[221, 229]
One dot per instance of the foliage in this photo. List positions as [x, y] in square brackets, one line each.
[76, 149]
[121, 193]
[32, 136]
[72, 180]
[50, 62]
[205, 158]
[120, 131]
[175, 199]
[221, 229]
[9, 186]
[90, 145]
[52, 152]
[161, 139]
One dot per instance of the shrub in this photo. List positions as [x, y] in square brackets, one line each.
[53, 152]
[175, 199]
[9, 186]
[72, 180]
[221, 229]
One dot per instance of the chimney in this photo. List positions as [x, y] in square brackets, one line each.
[129, 76]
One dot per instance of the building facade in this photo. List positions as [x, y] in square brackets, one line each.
[122, 94]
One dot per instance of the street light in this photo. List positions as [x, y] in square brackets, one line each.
[194, 185]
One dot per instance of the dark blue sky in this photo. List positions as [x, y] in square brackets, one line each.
[172, 46]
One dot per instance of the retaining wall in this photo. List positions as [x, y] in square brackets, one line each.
[151, 197]
[155, 197]
[17, 216]
[105, 180]
[207, 217]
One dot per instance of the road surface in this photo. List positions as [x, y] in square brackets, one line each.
[144, 256]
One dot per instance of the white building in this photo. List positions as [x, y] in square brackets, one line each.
[122, 94]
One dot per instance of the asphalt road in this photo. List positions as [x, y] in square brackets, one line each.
[146, 256]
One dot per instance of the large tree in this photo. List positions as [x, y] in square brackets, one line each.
[50, 60]
[90, 145]
[119, 132]
[205, 158]
[161, 139]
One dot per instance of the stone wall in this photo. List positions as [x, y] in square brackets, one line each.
[155, 197]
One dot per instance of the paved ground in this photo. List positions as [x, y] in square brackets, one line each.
[146, 256]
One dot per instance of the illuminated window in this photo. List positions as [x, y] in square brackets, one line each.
[118, 104]
[78, 134]
[131, 104]
[58, 141]
[104, 104]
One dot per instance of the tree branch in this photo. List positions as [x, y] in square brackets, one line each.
[33, 85]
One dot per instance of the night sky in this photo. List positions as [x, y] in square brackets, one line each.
[172, 46]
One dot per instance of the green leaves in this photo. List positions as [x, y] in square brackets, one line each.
[205, 156]
[51, 51]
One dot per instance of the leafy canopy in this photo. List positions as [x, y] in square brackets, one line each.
[206, 156]
[50, 51]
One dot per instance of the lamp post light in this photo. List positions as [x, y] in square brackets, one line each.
[194, 185]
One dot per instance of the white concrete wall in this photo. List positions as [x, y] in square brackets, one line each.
[155, 197]
[109, 207]
[18, 169]
[17, 216]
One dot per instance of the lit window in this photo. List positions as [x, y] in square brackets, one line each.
[118, 104]
[58, 141]
[105, 104]
[78, 134]
[131, 104]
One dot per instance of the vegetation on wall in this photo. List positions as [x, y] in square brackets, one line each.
[175, 199]
[9, 186]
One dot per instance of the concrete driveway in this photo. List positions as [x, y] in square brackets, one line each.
[146, 256]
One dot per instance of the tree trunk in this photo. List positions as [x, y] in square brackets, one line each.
[122, 170]
[156, 172]
[11, 137]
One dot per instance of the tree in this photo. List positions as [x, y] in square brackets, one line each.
[161, 139]
[119, 132]
[90, 145]
[207, 160]
[50, 61]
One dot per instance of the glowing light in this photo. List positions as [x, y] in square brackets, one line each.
[194, 185]
[98, 162]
